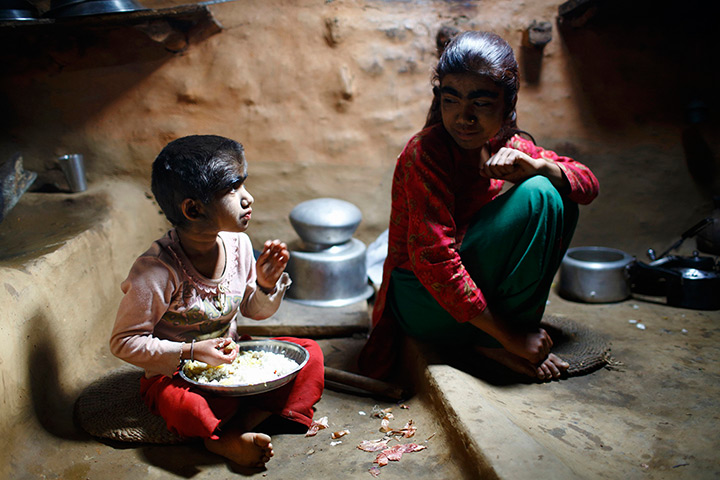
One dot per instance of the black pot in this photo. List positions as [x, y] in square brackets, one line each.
[686, 282]
[17, 10]
[74, 8]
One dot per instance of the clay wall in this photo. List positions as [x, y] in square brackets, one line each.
[324, 94]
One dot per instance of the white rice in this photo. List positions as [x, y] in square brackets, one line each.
[249, 368]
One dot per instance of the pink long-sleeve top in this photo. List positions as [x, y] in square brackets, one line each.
[167, 302]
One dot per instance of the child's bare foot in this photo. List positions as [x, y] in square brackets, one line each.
[552, 367]
[248, 449]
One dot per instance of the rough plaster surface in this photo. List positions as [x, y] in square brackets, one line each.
[324, 95]
[59, 300]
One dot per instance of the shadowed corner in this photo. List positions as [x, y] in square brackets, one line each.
[52, 405]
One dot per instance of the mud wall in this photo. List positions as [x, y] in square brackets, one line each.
[325, 93]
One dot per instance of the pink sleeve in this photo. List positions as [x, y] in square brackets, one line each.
[583, 184]
[431, 239]
[148, 290]
[256, 304]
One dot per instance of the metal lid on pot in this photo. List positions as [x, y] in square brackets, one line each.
[324, 222]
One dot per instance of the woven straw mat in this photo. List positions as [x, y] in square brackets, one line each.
[584, 349]
[111, 408]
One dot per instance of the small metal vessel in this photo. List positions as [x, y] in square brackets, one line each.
[327, 265]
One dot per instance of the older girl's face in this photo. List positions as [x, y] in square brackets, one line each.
[472, 108]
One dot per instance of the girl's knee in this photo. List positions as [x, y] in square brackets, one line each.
[539, 189]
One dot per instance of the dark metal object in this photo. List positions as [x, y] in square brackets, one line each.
[56, 5]
[14, 14]
[17, 10]
[686, 282]
[95, 7]
[689, 233]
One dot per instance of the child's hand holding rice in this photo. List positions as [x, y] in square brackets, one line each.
[215, 351]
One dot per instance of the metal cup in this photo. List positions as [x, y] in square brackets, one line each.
[74, 169]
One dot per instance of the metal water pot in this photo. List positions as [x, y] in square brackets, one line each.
[595, 275]
[327, 265]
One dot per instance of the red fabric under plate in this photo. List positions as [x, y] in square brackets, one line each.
[190, 412]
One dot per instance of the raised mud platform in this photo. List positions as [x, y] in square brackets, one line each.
[62, 258]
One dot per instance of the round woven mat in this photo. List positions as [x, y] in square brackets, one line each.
[111, 408]
[584, 349]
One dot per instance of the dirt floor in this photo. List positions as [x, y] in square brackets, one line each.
[58, 449]
[654, 415]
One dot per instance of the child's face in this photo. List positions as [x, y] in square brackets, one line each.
[472, 108]
[231, 208]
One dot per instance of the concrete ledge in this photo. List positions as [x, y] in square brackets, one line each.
[494, 446]
[64, 256]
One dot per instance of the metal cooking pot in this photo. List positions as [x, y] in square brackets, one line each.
[327, 266]
[17, 10]
[324, 222]
[334, 277]
[687, 282]
[94, 7]
[595, 275]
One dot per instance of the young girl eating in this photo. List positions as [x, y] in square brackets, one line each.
[466, 264]
[183, 295]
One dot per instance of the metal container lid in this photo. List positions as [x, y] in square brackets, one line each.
[324, 222]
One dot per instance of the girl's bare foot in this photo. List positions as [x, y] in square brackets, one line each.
[248, 449]
[551, 368]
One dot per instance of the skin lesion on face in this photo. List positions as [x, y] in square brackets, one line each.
[231, 207]
[472, 109]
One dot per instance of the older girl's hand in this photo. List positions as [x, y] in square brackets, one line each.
[271, 263]
[509, 164]
[215, 351]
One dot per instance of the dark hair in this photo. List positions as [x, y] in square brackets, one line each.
[481, 53]
[195, 167]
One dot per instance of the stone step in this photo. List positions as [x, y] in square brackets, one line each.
[484, 434]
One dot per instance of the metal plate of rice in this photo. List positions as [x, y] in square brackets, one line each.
[287, 349]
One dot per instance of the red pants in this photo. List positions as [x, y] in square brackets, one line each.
[191, 412]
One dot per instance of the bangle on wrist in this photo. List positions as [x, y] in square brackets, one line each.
[192, 350]
[266, 291]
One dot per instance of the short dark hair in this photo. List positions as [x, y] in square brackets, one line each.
[195, 167]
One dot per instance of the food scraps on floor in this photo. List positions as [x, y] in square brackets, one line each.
[382, 412]
[387, 454]
[396, 452]
[316, 426]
